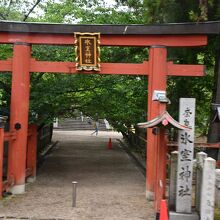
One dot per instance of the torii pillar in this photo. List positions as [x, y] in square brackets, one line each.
[156, 147]
[156, 81]
[19, 115]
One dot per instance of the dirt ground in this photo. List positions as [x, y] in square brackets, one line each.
[110, 187]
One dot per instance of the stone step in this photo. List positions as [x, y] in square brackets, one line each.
[78, 124]
[80, 128]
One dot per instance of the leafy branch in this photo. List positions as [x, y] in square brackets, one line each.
[31, 10]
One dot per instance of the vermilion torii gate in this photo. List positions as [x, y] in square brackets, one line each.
[157, 37]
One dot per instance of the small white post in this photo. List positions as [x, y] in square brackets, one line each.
[207, 202]
[200, 159]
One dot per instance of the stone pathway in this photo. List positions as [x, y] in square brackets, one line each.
[110, 187]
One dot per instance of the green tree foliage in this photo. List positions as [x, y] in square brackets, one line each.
[120, 99]
[201, 88]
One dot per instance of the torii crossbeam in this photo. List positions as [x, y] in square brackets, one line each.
[156, 37]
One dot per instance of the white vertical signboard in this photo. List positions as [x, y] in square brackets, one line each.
[185, 156]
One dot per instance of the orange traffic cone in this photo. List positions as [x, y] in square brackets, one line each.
[163, 210]
[110, 144]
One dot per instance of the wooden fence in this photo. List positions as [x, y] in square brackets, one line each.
[36, 140]
[139, 141]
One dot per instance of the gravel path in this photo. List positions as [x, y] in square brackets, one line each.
[110, 187]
